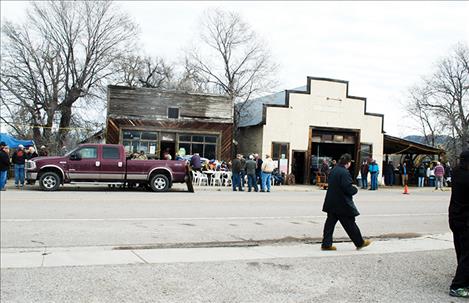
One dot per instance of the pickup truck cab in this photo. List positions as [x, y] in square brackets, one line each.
[106, 163]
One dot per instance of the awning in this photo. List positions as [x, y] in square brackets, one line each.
[13, 142]
[394, 145]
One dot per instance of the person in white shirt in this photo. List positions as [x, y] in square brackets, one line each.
[267, 169]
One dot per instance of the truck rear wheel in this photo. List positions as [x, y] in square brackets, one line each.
[49, 181]
[159, 183]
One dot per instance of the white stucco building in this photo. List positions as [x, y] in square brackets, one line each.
[309, 124]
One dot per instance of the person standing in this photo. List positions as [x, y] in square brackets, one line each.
[267, 169]
[421, 172]
[439, 174]
[339, 206]
[258, 170]
[458, 214]
[18, 159]
[236, 171]
[374, 171]
[242, 173]
[195, 162]
[31, 153]
[4, 164]
[43, 151]
[324, 169]
[389, 174]
[364, 174]
[404, 173]
[251, 173]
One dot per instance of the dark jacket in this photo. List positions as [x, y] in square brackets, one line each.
[30, 156]
[236, 166]
[364, 170]
[251, 167]
[388, 169]
[259, 165]
[243, 165]
[339, 193]
[4, 160]
[19, 157]
[459, 203]
[421, 171]
[195, 162]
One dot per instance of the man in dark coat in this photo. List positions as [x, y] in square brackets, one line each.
[459, 224]
[339, 206]
[236, 171]
[4, 164]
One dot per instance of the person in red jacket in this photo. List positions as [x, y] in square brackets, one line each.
[439, 174]
[19, 159]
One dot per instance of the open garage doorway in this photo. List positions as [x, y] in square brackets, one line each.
[330, 144]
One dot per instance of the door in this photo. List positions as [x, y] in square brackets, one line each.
[298, 166]
[112, 165]
[84, 164]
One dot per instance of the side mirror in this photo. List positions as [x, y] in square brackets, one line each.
[75, 157]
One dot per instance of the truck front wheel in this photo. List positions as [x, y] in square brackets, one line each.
[159, 183]
[49, 181]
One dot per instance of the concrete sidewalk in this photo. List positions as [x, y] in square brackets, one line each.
[91, 256]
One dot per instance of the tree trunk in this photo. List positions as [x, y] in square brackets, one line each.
[64, 126]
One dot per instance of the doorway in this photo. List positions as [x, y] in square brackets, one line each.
[170, 146]
[330, 152]
[298, 166]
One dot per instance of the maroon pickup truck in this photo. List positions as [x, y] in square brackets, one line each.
[106, 163]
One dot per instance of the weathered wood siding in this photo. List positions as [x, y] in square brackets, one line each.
[114, 125]
[153, 104]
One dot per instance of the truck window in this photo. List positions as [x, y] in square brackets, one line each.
[110, 152]
[88, 152]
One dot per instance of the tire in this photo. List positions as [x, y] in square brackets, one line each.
[49, 181]
[159, 183]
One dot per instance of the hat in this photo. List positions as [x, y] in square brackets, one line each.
[42, 146]
[20, 146]
[3, 143]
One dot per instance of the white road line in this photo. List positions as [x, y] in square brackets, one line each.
[211, 218]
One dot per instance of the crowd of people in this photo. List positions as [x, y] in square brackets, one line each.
[18, 159]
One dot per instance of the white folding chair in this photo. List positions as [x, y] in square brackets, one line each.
[216, 178]
[202, 178]
[227, 178]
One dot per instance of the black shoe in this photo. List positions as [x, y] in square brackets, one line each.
[462, 292]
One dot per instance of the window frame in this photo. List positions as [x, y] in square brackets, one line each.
[173, 108]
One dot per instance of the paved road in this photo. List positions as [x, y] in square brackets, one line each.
[114, 218]
[90, 224]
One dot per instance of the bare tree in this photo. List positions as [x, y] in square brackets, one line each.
[441, 101]
[232, 60]
[62, 54]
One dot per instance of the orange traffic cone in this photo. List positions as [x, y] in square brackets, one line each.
[406, 190]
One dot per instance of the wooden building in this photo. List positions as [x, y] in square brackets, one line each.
[156, 120]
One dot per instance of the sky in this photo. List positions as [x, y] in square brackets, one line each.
[381, 48]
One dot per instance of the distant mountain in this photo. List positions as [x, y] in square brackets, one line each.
[439, 140]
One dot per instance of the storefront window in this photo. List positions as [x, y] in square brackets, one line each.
[279, 149]
[206, 146]
[135, 141]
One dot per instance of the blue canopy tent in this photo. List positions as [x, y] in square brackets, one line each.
[13, 142]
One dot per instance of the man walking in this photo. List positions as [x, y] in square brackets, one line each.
[4, 164]
[251, 173]
[459, 224]
[439, 174]
[267, 169]
[18, 159]
[339, 206]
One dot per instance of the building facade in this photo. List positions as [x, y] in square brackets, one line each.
[156, 121]
[306, 125]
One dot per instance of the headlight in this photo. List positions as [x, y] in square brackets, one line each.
[30, 165]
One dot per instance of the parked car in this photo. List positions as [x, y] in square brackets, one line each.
[105, 163]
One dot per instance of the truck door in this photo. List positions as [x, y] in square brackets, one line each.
[84, 164]
[112, 164]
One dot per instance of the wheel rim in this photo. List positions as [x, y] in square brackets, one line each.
[160, 183]
[49, 182]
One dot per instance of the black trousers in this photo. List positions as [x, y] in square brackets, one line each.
[460, 231]
[349, 225]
